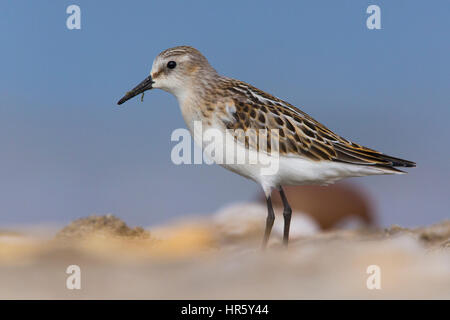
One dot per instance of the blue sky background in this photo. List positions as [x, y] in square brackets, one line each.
[67, 150]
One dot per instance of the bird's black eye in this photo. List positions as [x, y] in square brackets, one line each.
[171, 64]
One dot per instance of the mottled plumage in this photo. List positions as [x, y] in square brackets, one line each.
[299, 134]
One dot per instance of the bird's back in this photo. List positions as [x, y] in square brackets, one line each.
[299, 135]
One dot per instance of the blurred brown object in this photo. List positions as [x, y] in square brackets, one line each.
[328, 205]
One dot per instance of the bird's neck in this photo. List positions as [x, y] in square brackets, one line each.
[195, 98]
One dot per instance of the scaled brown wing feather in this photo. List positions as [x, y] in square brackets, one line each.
[300, 134]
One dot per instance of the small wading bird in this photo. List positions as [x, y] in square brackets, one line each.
[308, 152]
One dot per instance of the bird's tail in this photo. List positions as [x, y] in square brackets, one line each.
[356, 154]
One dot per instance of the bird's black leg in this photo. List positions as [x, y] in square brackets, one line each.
[287, 213]
[269, 222]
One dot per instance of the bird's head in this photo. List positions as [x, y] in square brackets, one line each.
[176, 70]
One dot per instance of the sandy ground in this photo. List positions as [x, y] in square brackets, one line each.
[220, 258]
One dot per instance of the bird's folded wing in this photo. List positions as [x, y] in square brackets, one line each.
[297, 133]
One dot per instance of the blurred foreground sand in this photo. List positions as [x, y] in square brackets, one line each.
[220, 258]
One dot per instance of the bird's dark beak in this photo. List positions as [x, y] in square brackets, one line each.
[140, 88]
